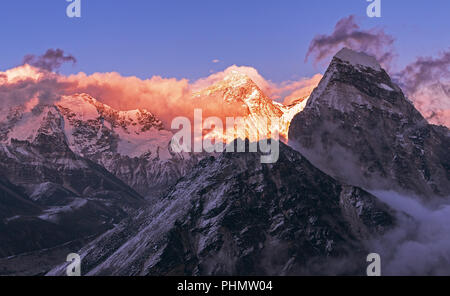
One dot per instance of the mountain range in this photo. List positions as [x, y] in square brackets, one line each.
[79, 175]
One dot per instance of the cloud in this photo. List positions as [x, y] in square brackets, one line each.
[425, 70]
[169, 97]
[427, 82]
[47, 89]
[433, 101]
[216, 61]
[420, 244]
[51, 60]
[347, 33]
[165, 97]
[300, 89]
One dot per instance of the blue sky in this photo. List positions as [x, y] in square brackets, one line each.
[181, 38]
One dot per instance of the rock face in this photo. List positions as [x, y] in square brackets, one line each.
[44, 156]
[232, 215]
[14, 201]
[359, 127]
[57, 196]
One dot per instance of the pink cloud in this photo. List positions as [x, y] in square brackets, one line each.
[299, 90]
[165, 97]
[427, 83]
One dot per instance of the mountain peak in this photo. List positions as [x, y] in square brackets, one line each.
[360, 114]
[236, 78]
[363, 81]
[358, 59]
[85, 105]
[250, 102]
[235, 87]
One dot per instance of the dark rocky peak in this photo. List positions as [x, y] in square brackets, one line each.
[355, 80]
[232, 215]
[360, 128]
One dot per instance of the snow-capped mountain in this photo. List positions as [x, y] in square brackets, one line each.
[132, 145]
[288, 114]
[259, 111]
[34, 149]
[359, 127]
[93, 128]
[70, 166]
[232, 215]
[51, 196]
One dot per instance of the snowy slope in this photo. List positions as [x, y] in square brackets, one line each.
[259, 111]
[232, 215]
[358, 59]
[93, 127]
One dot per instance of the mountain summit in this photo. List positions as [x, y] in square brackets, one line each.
[358, 59]
[255, 106]
[250, 103]
[359, 127]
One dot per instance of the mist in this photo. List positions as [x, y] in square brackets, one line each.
[420, 244]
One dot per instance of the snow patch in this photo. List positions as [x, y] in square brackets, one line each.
[358, 59]
[386, 87]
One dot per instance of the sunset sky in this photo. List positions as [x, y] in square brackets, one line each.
[191, 39]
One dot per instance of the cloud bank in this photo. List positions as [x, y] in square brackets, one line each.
[426, 81]
[23, 84]
[35, 83]
[420, 244]
[347, 33]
